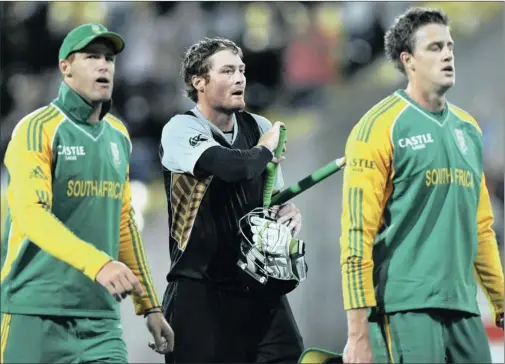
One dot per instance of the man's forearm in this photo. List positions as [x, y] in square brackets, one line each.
[357, 323]
[233, 165]
[132, 253]
[35, 221]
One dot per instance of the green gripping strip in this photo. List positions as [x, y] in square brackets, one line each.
[272, 170]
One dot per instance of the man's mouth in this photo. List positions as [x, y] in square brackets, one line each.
[238, 93]
[448, 69]
[103, 80]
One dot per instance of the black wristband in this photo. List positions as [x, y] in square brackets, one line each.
[152, 310]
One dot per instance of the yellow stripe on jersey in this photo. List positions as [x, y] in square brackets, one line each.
[5, 323]
[45, 121]
[487, 261]
[38, 127]
[49, 128]
[13, 247]
[363, 123]
[4, 335]
[116, 123]
[463, 115]
[29, 160]
[486, 294]
[141, 262]
[34, 119]
[389, 338]
[355, 202]
[369, 119]
[367, 187]
[43, 197]
[488, 268]
[131, 253]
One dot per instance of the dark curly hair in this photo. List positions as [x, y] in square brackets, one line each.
[400, 36]
[196, 60]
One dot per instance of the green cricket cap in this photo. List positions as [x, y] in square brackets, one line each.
[80, 37]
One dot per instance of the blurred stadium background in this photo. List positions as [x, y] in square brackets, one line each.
[316, 66]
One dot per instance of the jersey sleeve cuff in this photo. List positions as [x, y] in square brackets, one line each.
[143, 306]
[96, 262]
[371, 302]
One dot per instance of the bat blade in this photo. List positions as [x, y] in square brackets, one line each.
[311, 180]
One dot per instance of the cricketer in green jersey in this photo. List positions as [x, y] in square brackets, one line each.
[417, 221]
[72, 248]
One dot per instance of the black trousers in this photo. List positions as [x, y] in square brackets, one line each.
[218, 326]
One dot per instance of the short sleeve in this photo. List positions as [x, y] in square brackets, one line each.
[183, 140]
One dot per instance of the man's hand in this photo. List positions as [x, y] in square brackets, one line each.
[162, 333]
[289, 213]
[119, 280]
[358, 350]
[271, 139]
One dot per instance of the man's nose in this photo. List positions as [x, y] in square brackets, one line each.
[239, 78]
[104, 64]
[448, 54]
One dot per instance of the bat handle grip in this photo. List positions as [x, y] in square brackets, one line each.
[272, 169]
[282, 141]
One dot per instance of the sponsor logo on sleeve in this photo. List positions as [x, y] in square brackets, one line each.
[197, 140]
[361, 164]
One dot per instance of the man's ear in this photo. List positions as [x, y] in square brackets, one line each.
[407, 60]
[66, 68]
[198, 83]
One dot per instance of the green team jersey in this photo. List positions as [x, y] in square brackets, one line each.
[69, 213]
[416, 221]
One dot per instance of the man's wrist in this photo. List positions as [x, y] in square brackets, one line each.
[357, 322]
[152, 310]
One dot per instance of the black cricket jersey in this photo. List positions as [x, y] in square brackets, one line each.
[203, 209]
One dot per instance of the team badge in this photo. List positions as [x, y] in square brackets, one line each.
[116, 158]
[95, 28]
[461, 140]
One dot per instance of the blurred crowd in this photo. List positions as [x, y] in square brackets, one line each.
[291, 49]
[317, 66]
[294, 51]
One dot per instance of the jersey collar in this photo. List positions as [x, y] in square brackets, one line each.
[75, 106]
[214, 128]
[438, 116]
